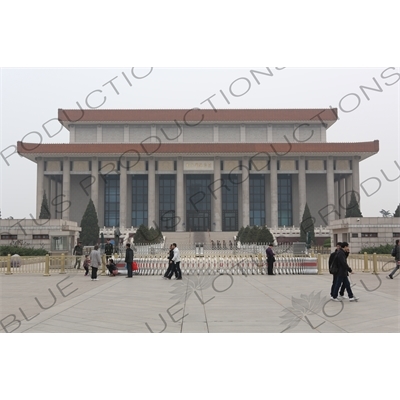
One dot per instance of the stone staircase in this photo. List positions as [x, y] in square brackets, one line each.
[198, 237]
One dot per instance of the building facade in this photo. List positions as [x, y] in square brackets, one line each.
[198, 170]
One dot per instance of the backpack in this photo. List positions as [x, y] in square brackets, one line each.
[333, 268]
[394, 251]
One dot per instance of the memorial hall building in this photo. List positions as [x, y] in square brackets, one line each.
[198, 170]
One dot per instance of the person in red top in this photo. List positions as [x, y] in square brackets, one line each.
[270, 259]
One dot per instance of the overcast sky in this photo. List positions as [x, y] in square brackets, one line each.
[31, 97]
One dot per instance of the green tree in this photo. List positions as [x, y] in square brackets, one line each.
[240, 233]
[44, 209]
[307, 225]
[144, 235]
[397, 212]
[253, 234]
[353, 209]
[245, 235]
[265, 235]
[90, 226]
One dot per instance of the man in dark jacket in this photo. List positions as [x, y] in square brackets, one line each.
[108, 249]
[78, 252]
[270, 259]
[129, 259]
[341, 276]
[171, 265]
[332, 259]
[396, 258]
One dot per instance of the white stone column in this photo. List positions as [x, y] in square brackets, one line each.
[66, 189]
[349, 188]
[330, 189]
[72, 134]
[356, 178]
[180, 215]
[126, 133]
[39, 185]
[302, 188]
[274, 191]
[123, 192]
[216, 134]
[216, 197]
[342, 197]
[94, 188]
[152, 193]
[245, 192]
[243, 133]
[99, 133]
[269, 133]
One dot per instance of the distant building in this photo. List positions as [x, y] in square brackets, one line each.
[198, 170]
[365, 232]
[57, 236]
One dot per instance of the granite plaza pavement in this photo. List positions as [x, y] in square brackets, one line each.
[197, 304]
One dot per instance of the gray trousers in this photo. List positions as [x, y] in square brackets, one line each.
[395, 269]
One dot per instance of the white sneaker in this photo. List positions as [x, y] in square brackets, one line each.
[354, 298]
[337, 299]
[342, 297]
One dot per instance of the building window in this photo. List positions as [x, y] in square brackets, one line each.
[167, 202]
[40, 236]
[369, 235]
[59, 243]
[285, 216]
[140, 200]
[230, 204]
[111, 200]
[198, 203]
[396, 235]
[257, 200]
[354, 235]
[9, 237]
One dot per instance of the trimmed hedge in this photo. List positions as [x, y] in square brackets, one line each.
[382, 249]
[21, 251]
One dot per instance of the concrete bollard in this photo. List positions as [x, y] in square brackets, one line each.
[366, 267]
[47, 266]
[319, 264]
[375, 264]
[62, 261]
[8, 270]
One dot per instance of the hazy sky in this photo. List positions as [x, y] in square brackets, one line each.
[31, 97]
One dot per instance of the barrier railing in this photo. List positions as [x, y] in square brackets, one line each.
[253, 264]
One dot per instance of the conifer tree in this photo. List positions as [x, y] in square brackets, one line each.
[353, 208]
[44, 209]
[397, 212]
[90, 226]
[307, 225]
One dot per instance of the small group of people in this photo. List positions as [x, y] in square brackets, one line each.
[174, 263]
[340, 270]
[94, 260]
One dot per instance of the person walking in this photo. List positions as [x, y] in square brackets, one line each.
[78, 252]
[86, 264]
[176, 259]
[341, 276]
[396, 252]
[332, 259]
[95, 260]
[270, 259]
[108, 249]
[170, 263]
[129, 259]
